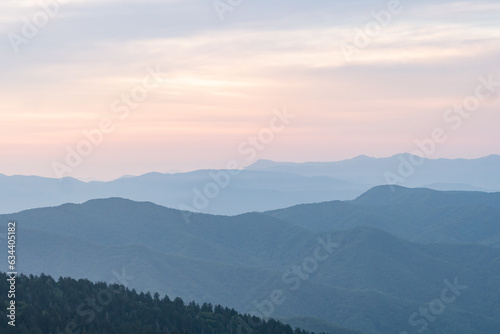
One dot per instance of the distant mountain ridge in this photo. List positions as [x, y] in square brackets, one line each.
[245, 192]
[263, 186]
[479, 173]
[352, 272]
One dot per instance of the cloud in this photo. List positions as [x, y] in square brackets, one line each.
[222, 77]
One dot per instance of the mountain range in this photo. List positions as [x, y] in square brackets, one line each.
[263, 186]
[371, 264]
[403, 169]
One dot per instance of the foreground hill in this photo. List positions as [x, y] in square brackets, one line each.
[67, 305]
[361, 278]
[420, 215]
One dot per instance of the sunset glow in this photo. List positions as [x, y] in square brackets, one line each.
[221, 80]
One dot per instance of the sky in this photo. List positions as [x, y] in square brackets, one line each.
[97, 89]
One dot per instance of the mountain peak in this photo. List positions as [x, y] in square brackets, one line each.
[387, 194]
[261, 163]
[362, 157]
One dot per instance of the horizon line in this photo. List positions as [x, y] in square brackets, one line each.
[175, 172]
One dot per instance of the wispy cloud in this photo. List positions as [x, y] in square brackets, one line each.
[222, 77]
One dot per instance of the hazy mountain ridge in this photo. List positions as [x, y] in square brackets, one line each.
[480, 173]
[239, 261]
[334, 298]
[248, 191]
[263, 186]
[420, 215]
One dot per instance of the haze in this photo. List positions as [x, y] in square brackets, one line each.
[222, 79]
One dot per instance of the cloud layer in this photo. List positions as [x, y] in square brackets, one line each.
[222, 79]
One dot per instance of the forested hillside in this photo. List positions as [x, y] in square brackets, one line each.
[335, 262]
[46, 306]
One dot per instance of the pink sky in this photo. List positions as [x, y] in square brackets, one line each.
[221, 81]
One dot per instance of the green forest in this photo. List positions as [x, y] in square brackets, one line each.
[47, 306]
